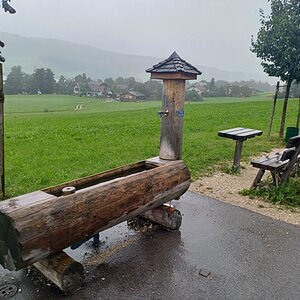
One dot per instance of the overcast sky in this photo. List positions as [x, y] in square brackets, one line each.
[215, 33]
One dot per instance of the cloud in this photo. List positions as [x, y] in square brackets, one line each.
[214, 33]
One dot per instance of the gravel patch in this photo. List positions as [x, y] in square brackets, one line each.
[226, 187]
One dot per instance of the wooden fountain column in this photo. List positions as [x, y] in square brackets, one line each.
[174, 71]
[172, 119]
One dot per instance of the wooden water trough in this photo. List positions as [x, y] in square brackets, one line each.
[36, 227]
[41, 223]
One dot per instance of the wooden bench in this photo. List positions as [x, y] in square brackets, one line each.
[281, 165]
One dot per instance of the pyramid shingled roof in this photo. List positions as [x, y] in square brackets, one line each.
[174, 64]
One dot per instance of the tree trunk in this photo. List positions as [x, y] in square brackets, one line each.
[285, 104]
[298, 116]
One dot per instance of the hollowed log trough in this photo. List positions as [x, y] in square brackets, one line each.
[39, 224]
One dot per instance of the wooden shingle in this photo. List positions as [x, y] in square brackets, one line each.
[173, 67]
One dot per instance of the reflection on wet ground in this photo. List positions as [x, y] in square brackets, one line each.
[243, 255]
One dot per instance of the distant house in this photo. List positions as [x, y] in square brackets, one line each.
[76, 89]
[132, 96]
[199, 87]
[97, 89]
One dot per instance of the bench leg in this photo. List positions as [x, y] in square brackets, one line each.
[236, 168]
[276, 178]
[258, 178]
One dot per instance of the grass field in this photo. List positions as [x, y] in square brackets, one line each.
[47, 142]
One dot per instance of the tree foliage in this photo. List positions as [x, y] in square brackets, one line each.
[278, 40]
[14, 83]
[278, 45]
[43, 81]
[191, 96]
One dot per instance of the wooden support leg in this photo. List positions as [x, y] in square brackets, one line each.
[62, 270]
[258, 178]
[165, 215]
[276, 177]
[236, 168]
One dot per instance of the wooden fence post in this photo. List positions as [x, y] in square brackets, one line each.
[273, 110]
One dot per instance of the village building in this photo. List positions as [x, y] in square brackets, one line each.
[199, 87]
[76, 89]
[97, 89]
[132, 96]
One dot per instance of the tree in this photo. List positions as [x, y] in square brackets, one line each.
[27, 83]
[15, 81]
[193, 96]
[278, 45]
[82, 80]
[212, 86]
[43, 80]
[62, 85]
[110, 82]
[154, 89]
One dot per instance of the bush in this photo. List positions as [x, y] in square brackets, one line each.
[193, 96]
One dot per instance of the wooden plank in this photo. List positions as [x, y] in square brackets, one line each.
[230, 130]
[272, 165]
[291, 164]
[244, 131]
[250, 134]
[33, 233]
[237, 132]
[156, 161]
[287, 154]
[28, 200]
[173, 76]
[63, 271]
[241, 134]
[293, 142]
[98, 178]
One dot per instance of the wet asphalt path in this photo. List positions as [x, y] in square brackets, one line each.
[248, 256]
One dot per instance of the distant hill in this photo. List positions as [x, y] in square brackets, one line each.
[71, 59]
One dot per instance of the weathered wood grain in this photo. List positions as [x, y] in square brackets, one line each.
[281, 165]
[164, 215]
[46, 223]
[172, 124]
[62, 270]
[174, 76]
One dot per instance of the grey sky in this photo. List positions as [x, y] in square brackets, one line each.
[214, 33]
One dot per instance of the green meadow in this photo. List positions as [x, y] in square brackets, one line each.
[48, 142]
